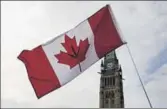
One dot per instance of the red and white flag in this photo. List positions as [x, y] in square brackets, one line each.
[55, 63]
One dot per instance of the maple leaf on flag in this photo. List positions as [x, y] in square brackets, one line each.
[75, 54]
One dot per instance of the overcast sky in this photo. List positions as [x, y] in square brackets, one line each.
[28, 24]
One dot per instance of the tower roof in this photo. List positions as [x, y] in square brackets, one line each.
[111, 55]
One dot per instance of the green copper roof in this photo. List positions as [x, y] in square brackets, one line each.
[111, 55]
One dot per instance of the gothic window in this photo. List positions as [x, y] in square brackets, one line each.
[106, 81]
[102, 81]
[112, 101]
[113, 81]
[106, 101]
[110, 81]
[112, 94]
[107, 94]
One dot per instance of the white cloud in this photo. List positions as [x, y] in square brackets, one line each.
[28, 24]
[157, 88]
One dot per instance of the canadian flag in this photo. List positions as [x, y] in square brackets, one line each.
[55, 63]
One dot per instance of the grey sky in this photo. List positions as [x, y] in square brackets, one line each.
[159, 60]
[28, 24]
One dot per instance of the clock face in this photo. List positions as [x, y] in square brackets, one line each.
[110, 65]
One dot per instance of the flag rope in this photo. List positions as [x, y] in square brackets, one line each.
[139, 77]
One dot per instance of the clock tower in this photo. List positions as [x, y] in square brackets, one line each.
[111, 87]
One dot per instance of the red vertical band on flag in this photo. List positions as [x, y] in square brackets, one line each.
[106, 37]
[40, 72]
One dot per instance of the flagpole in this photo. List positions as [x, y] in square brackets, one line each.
[80, 67]
[150, 104]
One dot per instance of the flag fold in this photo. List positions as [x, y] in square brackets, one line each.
[57, 62]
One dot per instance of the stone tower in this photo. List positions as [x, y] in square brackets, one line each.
[111, 87]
